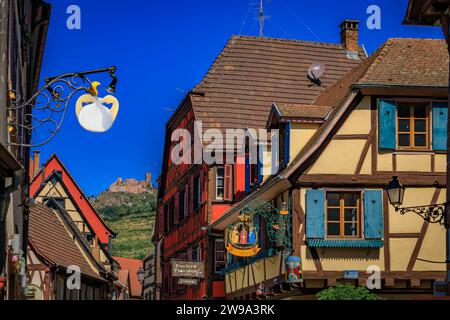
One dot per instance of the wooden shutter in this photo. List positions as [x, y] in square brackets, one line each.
[287, 143]
[176, 209]
[228, 183]
[387, 119]
[373, 214]
[191, 195]
[201, 183]
[440, 114]
[186, 200]
[315, 214]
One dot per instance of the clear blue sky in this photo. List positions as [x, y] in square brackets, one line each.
[159, 46]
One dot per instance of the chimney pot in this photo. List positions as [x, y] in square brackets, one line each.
[349, 35]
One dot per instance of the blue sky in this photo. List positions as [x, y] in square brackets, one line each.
[162, 48]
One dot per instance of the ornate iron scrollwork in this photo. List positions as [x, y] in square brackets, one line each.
[278, 225]
[432, 213]
[48, 106]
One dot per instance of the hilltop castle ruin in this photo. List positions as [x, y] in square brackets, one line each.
[133, 185]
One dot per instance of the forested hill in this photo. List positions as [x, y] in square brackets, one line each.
[132, 216]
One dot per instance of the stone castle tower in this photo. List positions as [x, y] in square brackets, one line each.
[133, 185]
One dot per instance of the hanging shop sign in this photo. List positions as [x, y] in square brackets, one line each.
[242, 239]
[294, 269]
[187, 269]
[187, 282]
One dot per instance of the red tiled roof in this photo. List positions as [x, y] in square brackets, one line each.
[123, 277]
[400, 62]
[409, 62]
[132, 265]
[54, 242]
[251, 73]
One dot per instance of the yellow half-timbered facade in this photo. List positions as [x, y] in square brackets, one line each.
[387, 117]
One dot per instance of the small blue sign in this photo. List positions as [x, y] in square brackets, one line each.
[351, 274]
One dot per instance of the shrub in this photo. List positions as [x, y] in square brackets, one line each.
[347, 292]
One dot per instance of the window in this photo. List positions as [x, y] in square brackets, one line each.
[220, 255]
[343, 215]
[413, 126]
[181, 207]
[220, 183]
[196, 253]
[59, 201]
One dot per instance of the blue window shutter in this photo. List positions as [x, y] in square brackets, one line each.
[387, 124]
[373, 214]
[287, 143]
[440, 114]
[315, 214]
[247, 173]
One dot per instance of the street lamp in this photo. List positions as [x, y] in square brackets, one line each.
[434, 213]
[396, 192]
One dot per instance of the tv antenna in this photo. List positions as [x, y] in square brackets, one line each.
[262, 18]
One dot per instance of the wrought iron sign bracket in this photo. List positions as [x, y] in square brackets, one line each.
[48, 106]
[432, 213]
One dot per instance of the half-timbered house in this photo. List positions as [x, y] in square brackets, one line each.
[53, 181]
[386, 117]
[238, 91]
[57, 250]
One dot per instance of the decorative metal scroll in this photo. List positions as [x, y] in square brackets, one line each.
[47, 108]
[432, 214]
[278, 225]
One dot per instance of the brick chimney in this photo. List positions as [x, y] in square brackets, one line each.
[349, 35]
[35, 164]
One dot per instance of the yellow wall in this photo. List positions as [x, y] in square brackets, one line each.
[300, 135]
[261, 270]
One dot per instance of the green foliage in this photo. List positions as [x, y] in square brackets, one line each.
[132, 216]
[347, 292]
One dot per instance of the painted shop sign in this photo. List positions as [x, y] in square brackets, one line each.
[187, 282]
[242, 239]
[294, 273]
[187, 269]
[351, 274]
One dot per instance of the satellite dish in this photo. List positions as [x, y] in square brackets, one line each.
[315, 71]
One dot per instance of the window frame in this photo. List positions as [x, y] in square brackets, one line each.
[223, 183]
[224, 262]
[342, 222]
[412, 132]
